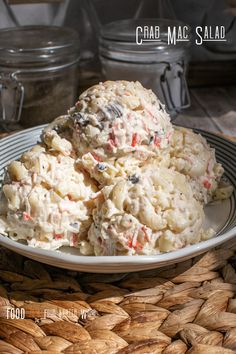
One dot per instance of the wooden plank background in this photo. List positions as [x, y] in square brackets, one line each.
[212, 73]
[212, 109]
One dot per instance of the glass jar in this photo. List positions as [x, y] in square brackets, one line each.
[156, 64]
[38, 73]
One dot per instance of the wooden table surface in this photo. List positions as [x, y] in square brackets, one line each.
[212, 109]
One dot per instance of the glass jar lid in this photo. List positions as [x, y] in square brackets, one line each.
[119, 39]
[38, 46]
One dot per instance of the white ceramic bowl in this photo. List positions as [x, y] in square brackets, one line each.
[221, 217]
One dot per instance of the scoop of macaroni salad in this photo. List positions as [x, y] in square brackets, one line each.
[149, 213]
[191, 155]
[47, 201]
[115, 118]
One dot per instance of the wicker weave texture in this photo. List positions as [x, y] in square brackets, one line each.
[186, 308]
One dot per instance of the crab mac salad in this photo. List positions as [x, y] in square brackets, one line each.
[113, 177]
[114, 128]
[114, 118]
[46, 200]
[192, 156]
[147, 214]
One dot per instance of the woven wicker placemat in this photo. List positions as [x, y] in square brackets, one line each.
[189, 307]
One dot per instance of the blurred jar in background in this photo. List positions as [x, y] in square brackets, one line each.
[84, 16]
[38, 73]
[157, 65]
